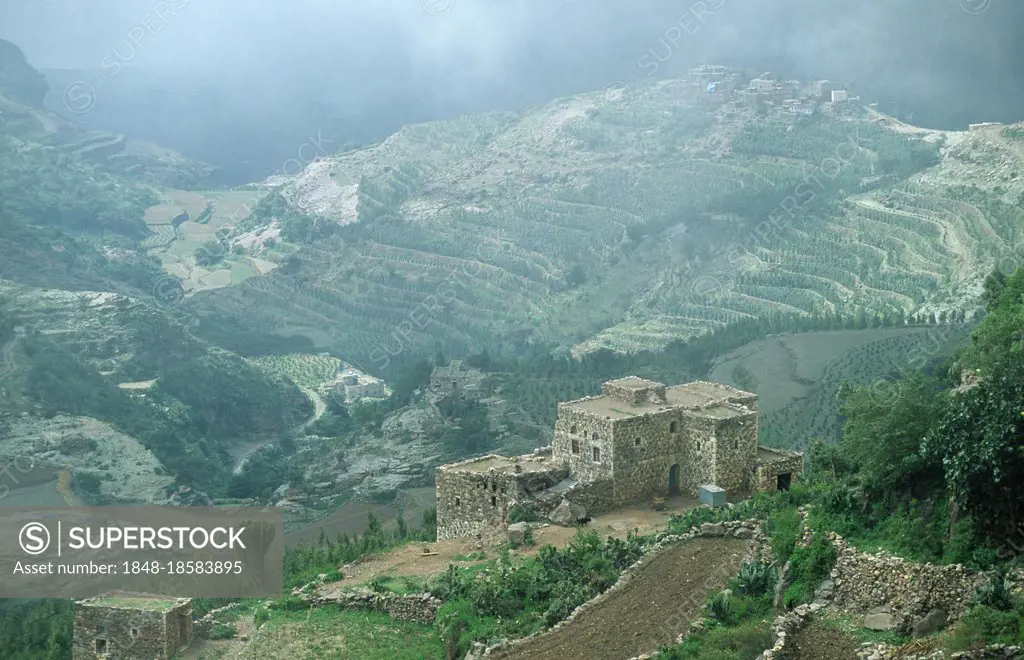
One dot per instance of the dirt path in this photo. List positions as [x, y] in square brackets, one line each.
[319, 408]
[649, 611]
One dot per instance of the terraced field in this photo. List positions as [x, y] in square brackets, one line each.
[212, 214]
[798, 376]
[587, 225]
[310, 371]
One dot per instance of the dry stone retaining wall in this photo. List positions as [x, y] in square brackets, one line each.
[865, 581]
[421, 608]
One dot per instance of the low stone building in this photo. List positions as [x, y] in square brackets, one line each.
[129, 626]
[638, 440]
[458, 381]
[474, 496]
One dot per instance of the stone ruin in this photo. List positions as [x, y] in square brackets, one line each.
[128, 626]
[636, 441]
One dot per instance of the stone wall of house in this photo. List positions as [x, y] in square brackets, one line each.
[909, 591]
[588, 431]
[471, 502]
[646, 448]
[130, 633]
[421, 608]
[597, 496]
[735, 447]
[767, 472]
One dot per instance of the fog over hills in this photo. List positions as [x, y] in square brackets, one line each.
[239, 71]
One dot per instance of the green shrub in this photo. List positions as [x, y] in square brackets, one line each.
[517, 513]
[994, 593]
[785, 528]
[984, 625]
[809, 566]
[221, 631]
[743, 642]
[260, 616]
[720, 607]
[756, 579]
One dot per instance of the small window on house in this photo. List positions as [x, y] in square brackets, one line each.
[494, 487]
[573, 429]
[597, 454]
[575, 446]
[135, 633]
[735, 444]
[636, 442]
[101, 646]
[494, 501]
[673, 427]
[594, 436]
[457, 501]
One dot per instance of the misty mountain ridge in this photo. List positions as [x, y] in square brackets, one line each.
[628, 219]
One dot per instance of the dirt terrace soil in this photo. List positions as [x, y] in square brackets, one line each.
[409, 560]
[655, 606]
[817, 641]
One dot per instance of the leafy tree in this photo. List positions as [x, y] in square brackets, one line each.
[979, 441]
[882, 435]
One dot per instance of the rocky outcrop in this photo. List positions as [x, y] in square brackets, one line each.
[17, 77]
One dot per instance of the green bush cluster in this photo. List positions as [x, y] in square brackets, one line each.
[518, 597]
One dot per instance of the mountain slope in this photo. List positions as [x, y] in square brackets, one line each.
[625, 222]
[120, 360]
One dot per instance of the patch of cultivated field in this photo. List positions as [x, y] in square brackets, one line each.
[209, 211]
[798, 376]
[332, 633]
[310, 371]
[782, 369]
[651, 610]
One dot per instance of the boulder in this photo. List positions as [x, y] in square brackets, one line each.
[517, 532]
[930, 623]
[567, 513]
[879, 621]
[711, 529]
[562, 515]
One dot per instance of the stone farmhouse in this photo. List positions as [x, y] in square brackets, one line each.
[636, 441]
[128, 626]
[457, 380]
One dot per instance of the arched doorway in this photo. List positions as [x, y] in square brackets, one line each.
[673, 480]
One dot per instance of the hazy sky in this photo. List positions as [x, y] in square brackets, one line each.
[250, 63]
[194, 37]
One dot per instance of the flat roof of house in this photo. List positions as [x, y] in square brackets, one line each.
[765, 454]
[691, 396]
[506, 464]
[131, 601]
